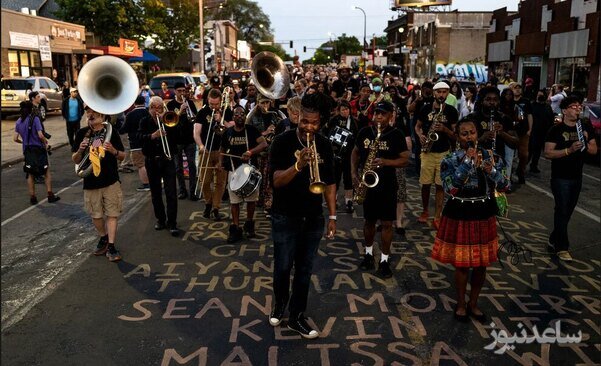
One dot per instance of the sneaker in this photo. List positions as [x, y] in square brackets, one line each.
[159, 225]
[349, 207]
[207, 213]
[102, 245]
[299, 324]
[400, 231]
[174, 231]
[53, 198]
[113, 254]
[267, 212]
[384, 270]
[235, 234]
[33, 200]
[423, 218]
[143, 188]
[368, 262]
[277, 314]
[194, 197]
[183, 195]
[564, 255]
[249, 229]
[217, 216]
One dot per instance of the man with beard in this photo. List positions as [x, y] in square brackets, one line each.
[245, 141]
[440, 118]
[345, 82]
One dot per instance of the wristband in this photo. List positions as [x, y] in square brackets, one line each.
[296, 167]
[566, 151]
[332, 217]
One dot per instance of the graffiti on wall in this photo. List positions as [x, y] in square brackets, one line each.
[480, 71]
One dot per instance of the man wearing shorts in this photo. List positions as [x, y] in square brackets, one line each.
[102, 194]
[392, 153]
[241, 143]
[444, 117]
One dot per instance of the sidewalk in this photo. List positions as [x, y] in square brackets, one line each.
[12, 153]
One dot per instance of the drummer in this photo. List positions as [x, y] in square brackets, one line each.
[241, 144]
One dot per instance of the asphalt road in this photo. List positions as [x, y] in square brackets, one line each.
[196, 300]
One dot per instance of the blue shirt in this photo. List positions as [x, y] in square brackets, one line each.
[73, 110]
[29, 138]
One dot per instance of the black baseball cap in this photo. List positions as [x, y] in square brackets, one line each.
[178, 85]
[215, 80]
[384, 106]
[140, 100]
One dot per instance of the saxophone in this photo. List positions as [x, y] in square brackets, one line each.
[432, 136]
[369, 178]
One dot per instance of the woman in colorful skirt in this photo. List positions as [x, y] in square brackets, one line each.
[467, 236]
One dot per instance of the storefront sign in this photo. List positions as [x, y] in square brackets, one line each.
[24, 40]
[463, 71]
[63, 32]
[45, 53]
[129, 46]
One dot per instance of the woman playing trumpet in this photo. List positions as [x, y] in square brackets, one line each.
[467, 235]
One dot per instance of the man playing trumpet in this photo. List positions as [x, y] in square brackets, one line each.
[103, 199]
[158, 143]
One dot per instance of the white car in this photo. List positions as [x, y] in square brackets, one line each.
[16, 89]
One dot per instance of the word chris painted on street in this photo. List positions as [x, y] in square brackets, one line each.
[480, 71]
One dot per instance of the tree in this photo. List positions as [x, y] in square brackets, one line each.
[277, 49]
[348, 45]
[177, 30]
[108, 19]
[253, 24]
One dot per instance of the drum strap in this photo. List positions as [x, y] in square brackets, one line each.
[348, 123]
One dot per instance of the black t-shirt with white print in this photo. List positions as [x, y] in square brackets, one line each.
[237, 143]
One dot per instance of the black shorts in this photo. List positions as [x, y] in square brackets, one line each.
[380, 203]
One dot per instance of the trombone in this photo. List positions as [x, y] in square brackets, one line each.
[169, 119]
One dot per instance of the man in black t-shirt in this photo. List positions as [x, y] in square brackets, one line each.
[297, 213]
[442, 118]
[103, 199]
[186, 110]
[159, 166]
[244, 141]
[566, 145]
[502, 133]
[345, 83]
[207, 134]
[378, 202]
[523, 128]
[130, 127]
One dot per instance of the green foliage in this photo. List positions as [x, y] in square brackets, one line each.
[343, 45]
[277, 49]
[253, 24]
[108, 19]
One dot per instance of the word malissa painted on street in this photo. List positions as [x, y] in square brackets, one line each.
[480, 71]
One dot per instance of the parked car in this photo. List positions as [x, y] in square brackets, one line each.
[199, 78]
[17, 89]
[170, 79]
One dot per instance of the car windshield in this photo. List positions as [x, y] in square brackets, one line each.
[16, 84]
[155, 83]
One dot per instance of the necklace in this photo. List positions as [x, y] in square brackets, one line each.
[299, 139]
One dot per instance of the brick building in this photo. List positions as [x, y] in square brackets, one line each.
[441, 42]
[551, 42]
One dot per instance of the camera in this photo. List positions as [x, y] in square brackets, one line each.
[47, 135]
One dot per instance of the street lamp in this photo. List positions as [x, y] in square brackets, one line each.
[364, 25]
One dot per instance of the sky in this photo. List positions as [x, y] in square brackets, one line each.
[310, 22]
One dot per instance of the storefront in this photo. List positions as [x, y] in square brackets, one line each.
[33, 45]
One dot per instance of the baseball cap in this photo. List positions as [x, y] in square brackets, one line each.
[384, 106]
[71, 90]
[178, 85]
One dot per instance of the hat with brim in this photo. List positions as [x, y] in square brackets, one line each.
[343, 66]
[384, 106]
[441, 85]
[262, 98]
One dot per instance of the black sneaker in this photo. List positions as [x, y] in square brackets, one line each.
[299, 324]
[53, 198]
[384, 270]
[113, 254]
[102, 245]
[349, 207]
[174, 231]
[207, 213]
[277, 314]
[217, 216]
[235, 234]
[159, 225]
[183, 195]
[33, 200]
[143, 188]
[249, 229]
[367, 263]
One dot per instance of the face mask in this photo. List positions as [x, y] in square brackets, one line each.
[243, 79]
[377, 88]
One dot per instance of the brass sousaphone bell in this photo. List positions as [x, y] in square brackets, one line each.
[270, 75]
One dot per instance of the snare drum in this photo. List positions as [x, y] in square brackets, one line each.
[341, 138]
[245, 180]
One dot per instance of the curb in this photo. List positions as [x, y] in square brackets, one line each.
[21, 158]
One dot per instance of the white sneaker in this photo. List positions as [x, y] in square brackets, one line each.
[564, 255]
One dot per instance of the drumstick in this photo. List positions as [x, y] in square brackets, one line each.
[233, 156]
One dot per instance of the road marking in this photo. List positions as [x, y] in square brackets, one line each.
[39, 203]
[591, 177]
[590, 215]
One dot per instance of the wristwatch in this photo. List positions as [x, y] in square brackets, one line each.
[332, 217]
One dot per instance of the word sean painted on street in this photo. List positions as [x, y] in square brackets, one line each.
[463, 71]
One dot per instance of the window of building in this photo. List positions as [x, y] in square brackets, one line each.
[573, 73]
[26, 63]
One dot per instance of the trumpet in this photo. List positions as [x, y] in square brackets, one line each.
[316, 185]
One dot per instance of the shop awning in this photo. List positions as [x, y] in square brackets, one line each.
[146, 57]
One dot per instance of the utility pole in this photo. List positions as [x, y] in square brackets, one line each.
[202, 38]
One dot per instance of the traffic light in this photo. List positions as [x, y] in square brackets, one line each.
[291, 44]
[304, 48]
